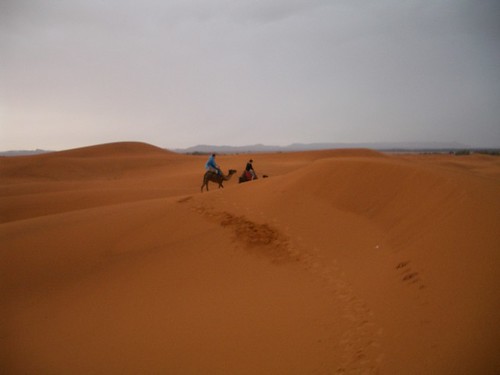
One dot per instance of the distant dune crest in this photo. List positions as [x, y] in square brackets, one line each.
[106, 161]
[116, 148]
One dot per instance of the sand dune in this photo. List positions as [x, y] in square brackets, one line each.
[341, 262]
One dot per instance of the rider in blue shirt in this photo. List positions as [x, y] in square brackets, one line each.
[211, 165]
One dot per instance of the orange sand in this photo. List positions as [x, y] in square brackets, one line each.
[341, 262]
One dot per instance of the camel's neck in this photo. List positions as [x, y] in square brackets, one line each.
[228, 177]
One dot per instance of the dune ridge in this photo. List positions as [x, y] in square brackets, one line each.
[342, 261]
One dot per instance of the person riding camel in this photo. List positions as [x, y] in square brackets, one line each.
[212, 166]
[249, 171]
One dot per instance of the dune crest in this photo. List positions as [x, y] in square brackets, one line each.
[113, 149]
[107, 160]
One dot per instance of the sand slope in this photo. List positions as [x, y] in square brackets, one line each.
[345, 262]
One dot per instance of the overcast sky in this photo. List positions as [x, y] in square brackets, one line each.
[177, 73]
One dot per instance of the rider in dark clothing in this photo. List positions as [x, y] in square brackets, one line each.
[249, 168]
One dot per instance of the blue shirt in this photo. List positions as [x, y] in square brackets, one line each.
[211, 163]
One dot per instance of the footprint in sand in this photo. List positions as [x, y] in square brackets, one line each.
[185, 199]
[408, 275]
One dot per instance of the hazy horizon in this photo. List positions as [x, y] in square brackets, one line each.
[182, 73]
[293, 147]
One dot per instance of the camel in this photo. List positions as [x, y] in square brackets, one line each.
[247, 176]
[214, 177]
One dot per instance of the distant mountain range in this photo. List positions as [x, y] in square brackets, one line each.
[23, 152]
[387, 146]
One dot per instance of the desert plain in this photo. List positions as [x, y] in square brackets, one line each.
[340, 262]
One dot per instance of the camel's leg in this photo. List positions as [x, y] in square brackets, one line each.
[205, 183]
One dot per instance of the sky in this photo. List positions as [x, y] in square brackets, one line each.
[178, 73]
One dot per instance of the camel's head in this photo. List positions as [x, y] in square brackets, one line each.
[232, 171]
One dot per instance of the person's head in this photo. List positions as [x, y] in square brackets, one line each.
[213, 155]
[250, 161]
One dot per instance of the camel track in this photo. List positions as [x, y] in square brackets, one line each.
[360, 343]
